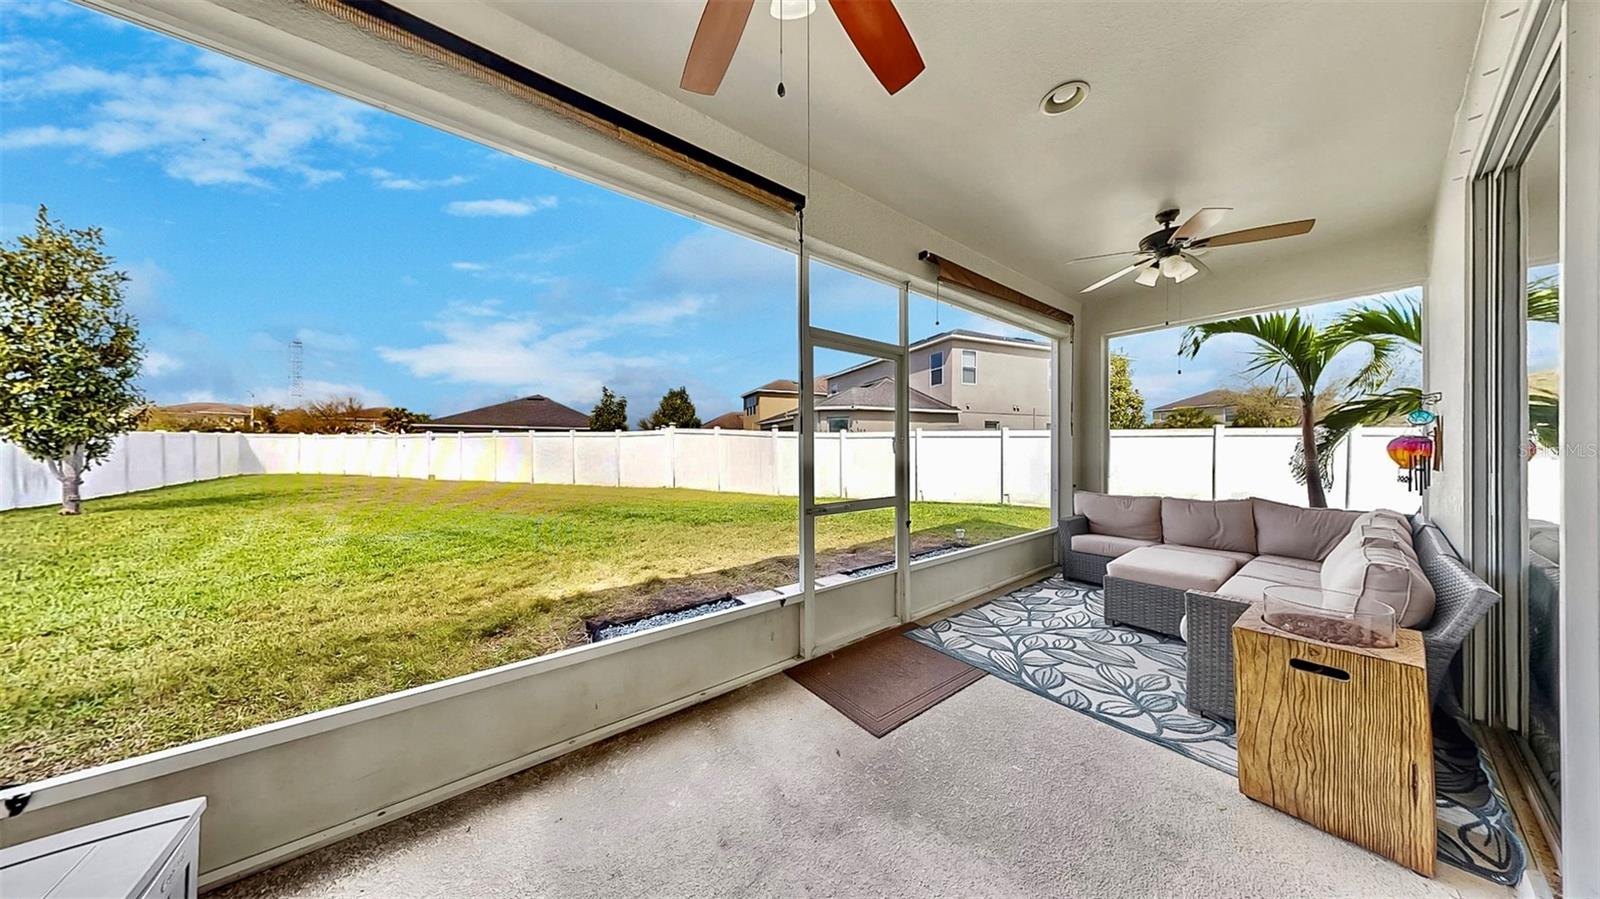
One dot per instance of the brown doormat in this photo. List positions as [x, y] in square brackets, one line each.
[884, 681]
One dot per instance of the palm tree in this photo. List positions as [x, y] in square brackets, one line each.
[1295, 351]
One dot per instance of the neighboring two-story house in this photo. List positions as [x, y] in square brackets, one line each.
[774, 398]
[990, 381]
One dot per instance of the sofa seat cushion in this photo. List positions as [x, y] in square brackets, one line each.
[1106, 544]
[1255, 577]
[1214, 524]
[1167, 566]
[1138, 517]
[1238, 558]
[1292, 562]
[1285, 530]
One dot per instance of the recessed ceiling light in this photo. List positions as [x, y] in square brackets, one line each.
[788, 10]
[1062, 97]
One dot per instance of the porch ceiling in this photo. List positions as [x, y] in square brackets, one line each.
[1340, 112]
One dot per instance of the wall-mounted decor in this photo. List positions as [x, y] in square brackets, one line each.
[1418, 454]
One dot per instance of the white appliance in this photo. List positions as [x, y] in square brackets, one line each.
[153, 854]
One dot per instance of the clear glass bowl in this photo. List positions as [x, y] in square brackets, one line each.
[1300, 611]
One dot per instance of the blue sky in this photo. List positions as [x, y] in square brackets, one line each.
[417, 268]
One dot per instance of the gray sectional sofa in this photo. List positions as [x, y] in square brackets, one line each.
[1189, 568]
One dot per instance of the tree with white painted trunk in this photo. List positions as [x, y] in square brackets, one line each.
[69, 352]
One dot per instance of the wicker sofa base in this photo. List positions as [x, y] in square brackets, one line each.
[1144, 606]
[1079, 566]
[1209, 676]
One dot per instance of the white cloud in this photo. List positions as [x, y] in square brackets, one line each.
[484, 345]
[316, 391]
[500, 207]
[221, 122]
[468, 266]
[157, 363]
[658, 313]
[388, 180]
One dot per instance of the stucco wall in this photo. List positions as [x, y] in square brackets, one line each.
[1013, 385]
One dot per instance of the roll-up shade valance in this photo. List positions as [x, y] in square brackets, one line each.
[960, 276]
[423, 38]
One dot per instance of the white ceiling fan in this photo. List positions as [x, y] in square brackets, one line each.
[1174, 250]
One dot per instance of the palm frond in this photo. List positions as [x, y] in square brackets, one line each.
[1372, 410]
[1285, 341]
[1544, 300]
[1395, 317]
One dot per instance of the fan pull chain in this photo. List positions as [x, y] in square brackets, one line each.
[781, 90]
[1169, 316]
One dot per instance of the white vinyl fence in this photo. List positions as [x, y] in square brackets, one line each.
[1229, 463]
[142, 460]
[1002, 466]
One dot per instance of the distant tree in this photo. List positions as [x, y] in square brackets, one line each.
[263, 419]
[159, 420]
[610, 414]
[294, 421]
[674, 411]
[336, 416]
[1188, 417]
[1265, 407]
[69, 352]
[400, 420]
[1126, 403]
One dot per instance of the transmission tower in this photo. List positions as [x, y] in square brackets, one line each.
[297, 352]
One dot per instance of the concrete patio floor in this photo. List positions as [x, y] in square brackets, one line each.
[769, 792]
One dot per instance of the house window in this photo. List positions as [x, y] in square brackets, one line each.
[750, 406]
[936, 369]
[992, 425]
[969, 366]
[838, 424]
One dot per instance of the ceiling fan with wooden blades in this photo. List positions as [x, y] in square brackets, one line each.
[874, 26]
[1174, 250]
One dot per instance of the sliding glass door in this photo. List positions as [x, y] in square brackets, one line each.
[1515, 450]
[1540, 531]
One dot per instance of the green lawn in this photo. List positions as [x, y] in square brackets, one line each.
[178, 614]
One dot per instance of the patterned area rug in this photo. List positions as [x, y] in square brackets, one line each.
[1050, 638]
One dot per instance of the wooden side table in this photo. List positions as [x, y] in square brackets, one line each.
[1339, 737]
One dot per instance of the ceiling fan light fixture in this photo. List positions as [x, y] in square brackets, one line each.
[789, 10]
[1149, 275]
[1062, 98]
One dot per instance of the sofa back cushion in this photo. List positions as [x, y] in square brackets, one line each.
[1366, 570]
[1212, 524]
[1386, 528]
[1138, 517]
[1298, 532]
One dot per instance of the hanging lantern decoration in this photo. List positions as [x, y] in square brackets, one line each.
[1416, 454]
